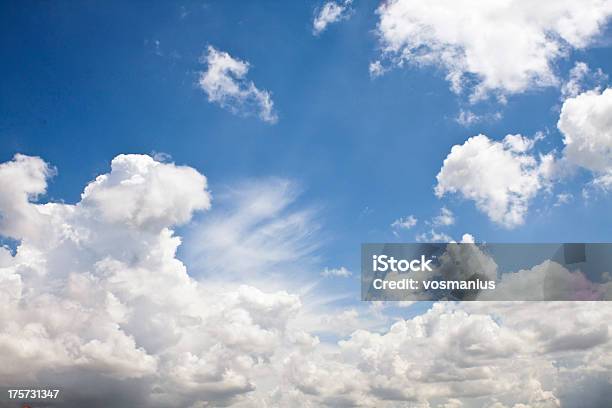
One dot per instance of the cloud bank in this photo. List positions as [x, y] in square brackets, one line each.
[94, 301]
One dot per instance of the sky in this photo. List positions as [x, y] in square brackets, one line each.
[280, 137]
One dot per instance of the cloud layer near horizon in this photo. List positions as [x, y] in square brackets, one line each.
[95, 300]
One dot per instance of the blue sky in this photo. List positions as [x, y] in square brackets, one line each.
[83, 83]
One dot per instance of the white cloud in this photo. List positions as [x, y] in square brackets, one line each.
[95, 292]
[130, 193]
[503, 47]
[586, 124]
[376, 69]
[452, 403]
[444, 219]
[225, 83]
[468, 118]
[433, 236]
[21, 180]
[603, 182]
[581, 77]
[404, 222]
[330, 12]
[468, 239]
[464, 355]
[340, 272]
[343, 323]
[257, 231]
[501, 177]
[563, 198]
[547, 280]
[95, 300]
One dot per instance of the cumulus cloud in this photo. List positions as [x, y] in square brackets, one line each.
[467, 239]
[225, 83]
[131, 193]
[21, 180]
[500, 47]
[95, 301]
[95, 289]
[342, 323]
[460, 355]
[586, 125]
[501, 177]
[331, 12]
[548, 280]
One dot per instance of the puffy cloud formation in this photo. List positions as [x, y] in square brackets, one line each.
[94, 301]
[329, 13]
[467, 238]
[225, 83]
[548, 280]
[504, 47]
[21, 180]
[94, 292]
[140, 191]
[586, 124]
[473, 354]
[500, 177]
